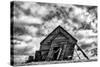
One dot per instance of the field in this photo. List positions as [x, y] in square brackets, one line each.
[53, 62]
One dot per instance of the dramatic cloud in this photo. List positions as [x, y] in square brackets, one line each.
[28, 20]
[34, 21]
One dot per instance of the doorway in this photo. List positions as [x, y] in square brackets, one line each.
[57, 53]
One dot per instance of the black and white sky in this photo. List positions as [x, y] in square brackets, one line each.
[33, 21]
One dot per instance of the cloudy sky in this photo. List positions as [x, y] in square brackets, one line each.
[33, 21]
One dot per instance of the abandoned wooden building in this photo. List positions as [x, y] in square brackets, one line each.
[58, 45]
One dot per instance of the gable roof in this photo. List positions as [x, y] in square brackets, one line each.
[55, 32]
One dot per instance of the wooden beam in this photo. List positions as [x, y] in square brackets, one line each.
[63, 52]
[77, 54]
[82, 51]
[59, 53]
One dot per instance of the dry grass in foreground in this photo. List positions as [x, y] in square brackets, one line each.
[54, 62]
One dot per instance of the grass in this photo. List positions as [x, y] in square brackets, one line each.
[53, 62]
